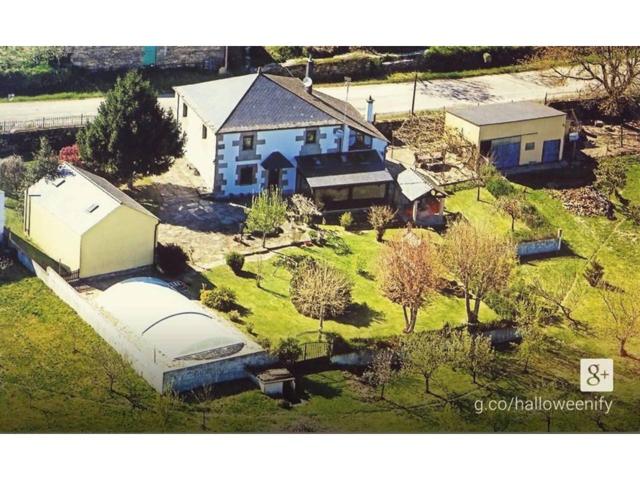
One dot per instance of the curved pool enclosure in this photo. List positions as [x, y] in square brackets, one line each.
[178, 327]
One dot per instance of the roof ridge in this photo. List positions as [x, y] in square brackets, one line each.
[83, 173]
[306, 100]
[87, 176]
[222, 124]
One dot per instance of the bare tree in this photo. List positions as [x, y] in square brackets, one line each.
[320, 291]
[380, 216]
[512, 205]
[381, 371]
[555, 293]
[409, 275]
[528, 316]
[303, 209]
[482, 260]
[624, 317]
[612, 74]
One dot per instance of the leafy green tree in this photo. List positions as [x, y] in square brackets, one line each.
[267, 213]
[424, 353]
[472, 353]
[132, 135]
[45, 163]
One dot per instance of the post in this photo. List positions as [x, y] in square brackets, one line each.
[415, 86]
[559, 239]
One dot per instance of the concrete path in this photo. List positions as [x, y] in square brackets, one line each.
[389, 97]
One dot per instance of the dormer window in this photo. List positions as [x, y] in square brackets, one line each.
[204, 131]
[311, 136]
[247, 142]
[185, 110]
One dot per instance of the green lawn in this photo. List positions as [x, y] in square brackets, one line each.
[272, 315]
[50, 379]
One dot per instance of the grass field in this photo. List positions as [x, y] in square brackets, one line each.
[53, 374]
[272, 315]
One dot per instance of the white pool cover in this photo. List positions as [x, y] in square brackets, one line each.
[170, 322]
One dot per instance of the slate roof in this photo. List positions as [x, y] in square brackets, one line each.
[414, 185]
[80, 199]
[276, 160]
[496, 113]
[266, 102]
[341, 169]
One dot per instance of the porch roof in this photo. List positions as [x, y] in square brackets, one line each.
[342, 169]
[276, 160]
[415, 185]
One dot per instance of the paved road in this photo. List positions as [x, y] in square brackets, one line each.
[389, 98]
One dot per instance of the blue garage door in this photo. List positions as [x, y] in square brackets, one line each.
[506, 152]
[550, 151]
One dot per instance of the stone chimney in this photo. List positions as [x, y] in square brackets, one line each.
[308, 76]
[370, 109]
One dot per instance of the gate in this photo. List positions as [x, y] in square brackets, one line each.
[315, 351]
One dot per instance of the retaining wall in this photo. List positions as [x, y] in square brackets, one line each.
[538, 247]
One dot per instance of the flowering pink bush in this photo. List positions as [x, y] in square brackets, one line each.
[70, 154]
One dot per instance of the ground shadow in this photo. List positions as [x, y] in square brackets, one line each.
[360, 315]
[462, 90]
[307, 387]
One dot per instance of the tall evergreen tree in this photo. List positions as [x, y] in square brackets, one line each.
[132, 135]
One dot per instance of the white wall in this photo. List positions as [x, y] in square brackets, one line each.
[289, 142]
[199, 152]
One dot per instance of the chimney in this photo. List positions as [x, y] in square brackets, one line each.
[308, 76]
[370, 109]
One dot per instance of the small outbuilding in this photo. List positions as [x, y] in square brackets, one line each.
[88, 225]
[419, 198]
[512, 134]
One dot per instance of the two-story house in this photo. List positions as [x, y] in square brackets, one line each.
[256, 131]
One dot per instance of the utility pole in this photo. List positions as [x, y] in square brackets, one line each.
[415, 86]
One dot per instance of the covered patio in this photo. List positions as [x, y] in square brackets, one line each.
[344, 181]
[419, 198]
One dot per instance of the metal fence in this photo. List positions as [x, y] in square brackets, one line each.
[44, 123]
[315, 350]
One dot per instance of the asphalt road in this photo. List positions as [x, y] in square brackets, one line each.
[389, 97]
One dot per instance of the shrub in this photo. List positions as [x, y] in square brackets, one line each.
[219, 298]
[70, 154]
[337, 243]
[12, 176]
[171, 259]
[450, 59]
[288, 350]
[380, 216]
[284, 53]
[500, 186]
[594, 273]
[346, 220]
[234, 316]
[361, 266]
[235, 261]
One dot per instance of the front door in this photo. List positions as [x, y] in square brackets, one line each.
[274, 178]
[550, 151]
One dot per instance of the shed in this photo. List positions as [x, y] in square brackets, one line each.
[513, 134]
[88, 225]
[421, 200]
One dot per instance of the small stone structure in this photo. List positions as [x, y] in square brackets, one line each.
[272, 382]
[539, 247]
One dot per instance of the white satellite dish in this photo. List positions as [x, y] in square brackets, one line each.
[307, 82]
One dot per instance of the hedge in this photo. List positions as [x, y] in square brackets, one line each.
[451, 59]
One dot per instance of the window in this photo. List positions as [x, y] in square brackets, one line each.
[246, 175]
[185, 110]
[204, 131]
[247, 142]
[311, 136]
[362, 192]
[359, 138]
[530, 145]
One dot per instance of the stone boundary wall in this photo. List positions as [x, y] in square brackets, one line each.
[117, 58]
[538, 247]
[139, 356]
[151, 365]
